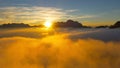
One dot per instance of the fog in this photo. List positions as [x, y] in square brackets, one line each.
[59, 48]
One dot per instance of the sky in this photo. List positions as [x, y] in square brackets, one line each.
[88, 12]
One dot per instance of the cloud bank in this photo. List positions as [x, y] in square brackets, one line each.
[105, 35]
[58, 51]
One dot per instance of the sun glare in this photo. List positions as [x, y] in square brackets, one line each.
[47, 24]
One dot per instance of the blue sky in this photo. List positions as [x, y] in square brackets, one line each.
[90, 12]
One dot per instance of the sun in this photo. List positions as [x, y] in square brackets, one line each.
[48, 24]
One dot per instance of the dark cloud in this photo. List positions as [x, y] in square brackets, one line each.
[99, 34]
[74, 34]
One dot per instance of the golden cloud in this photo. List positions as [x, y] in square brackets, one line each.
[58, 51]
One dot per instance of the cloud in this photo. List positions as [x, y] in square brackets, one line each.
[82, 16]
[105, 35]
[86, 16]
[59, 48]
[38, 14]
[73, 10]
[58, 51]
[33, 13]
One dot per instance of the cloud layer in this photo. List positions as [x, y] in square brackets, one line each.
[37, 14]
[18, 14]
[57, 50]
[105, 35]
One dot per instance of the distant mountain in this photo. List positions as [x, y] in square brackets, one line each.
[102, 27]
[14, 25]
[116, 25]
[68, 23]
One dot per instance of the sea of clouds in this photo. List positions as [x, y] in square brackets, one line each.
[59, 48]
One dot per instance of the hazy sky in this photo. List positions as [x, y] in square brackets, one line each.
[90, 12]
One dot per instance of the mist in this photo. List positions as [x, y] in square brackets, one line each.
[59, 48]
